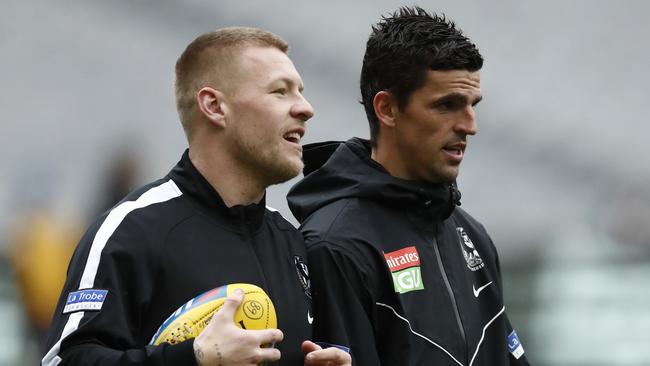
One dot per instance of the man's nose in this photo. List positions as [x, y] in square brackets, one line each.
[302, 109]
[467, 123]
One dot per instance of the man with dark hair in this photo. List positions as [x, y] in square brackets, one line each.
[407, 277]
[204, 225]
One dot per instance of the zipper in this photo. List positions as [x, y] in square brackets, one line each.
[443, 273]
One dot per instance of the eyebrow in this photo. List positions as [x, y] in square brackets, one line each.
[290, 82]
[458, 97]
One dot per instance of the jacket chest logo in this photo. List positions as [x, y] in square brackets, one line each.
[303, 275]
[473, 259]
[404, 266]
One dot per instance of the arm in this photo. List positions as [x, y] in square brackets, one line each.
[104, 330]
[343, 306]
[124, 280]
[516, 352]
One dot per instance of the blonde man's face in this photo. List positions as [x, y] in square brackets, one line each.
[266, 113]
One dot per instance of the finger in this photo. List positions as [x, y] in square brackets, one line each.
[268, 355]
[230, 305]
[309, 346]
[267, 336]
[332, 354]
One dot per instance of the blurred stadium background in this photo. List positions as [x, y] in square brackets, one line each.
[558, 173]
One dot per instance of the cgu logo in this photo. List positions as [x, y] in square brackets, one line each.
[404, 266]
[407, 280]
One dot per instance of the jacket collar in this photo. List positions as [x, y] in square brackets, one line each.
[336, 170]
[240, 218]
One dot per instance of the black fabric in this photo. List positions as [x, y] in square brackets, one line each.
[367, 234]
[164, 254]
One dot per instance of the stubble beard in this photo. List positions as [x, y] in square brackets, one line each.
[444, 174]
[271, 166]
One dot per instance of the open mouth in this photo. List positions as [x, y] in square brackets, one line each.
[293, 137]
[454, 151]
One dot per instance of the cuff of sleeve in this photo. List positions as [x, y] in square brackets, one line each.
[181, 354]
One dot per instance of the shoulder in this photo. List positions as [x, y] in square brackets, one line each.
[278, 220]
[284, 231]
[466, 224]
[346, 229]
[149, 200]
[462, 217]
[350, 221]
[123, 234]
[143, 214]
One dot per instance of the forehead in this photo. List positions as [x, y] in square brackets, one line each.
[452, 81]
[263, 65]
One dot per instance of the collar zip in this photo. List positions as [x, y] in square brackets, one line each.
[455, 195]
[427, 200]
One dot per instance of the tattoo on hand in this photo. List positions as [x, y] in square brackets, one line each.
[198, 354]
[216, 347]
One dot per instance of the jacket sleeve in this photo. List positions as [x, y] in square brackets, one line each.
[515, 347]
[113, 270]
[516, 352]
[343, 302]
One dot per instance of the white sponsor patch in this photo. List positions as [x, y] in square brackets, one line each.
[84, 300]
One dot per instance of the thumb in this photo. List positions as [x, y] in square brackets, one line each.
[230, 304]
[309, 346]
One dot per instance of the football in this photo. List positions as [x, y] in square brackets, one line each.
[255, 312]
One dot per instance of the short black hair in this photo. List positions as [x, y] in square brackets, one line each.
[402, 47]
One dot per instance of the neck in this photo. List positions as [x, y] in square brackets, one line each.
[389, 160]
[235, 185]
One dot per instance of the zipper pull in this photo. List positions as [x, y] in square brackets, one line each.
[455, 195]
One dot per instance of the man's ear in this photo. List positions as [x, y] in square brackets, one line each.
[211, 104]
[385, 108]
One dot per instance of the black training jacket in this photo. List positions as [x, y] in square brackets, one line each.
[399, 273]
[164, 244]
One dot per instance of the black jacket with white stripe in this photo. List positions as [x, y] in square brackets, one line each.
[164, 244]
[400, 274]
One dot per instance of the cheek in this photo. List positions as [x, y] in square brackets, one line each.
[256, 123]
[425, 135]
[265, 119]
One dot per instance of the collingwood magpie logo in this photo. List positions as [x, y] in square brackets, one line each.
[303, 275]
[474, 261]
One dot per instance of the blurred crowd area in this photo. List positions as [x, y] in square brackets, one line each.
[559, 172]
[37, 247]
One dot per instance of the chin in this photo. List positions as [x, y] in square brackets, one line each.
[283, 171]
[444, 177]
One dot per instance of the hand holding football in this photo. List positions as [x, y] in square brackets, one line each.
[255, 312]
